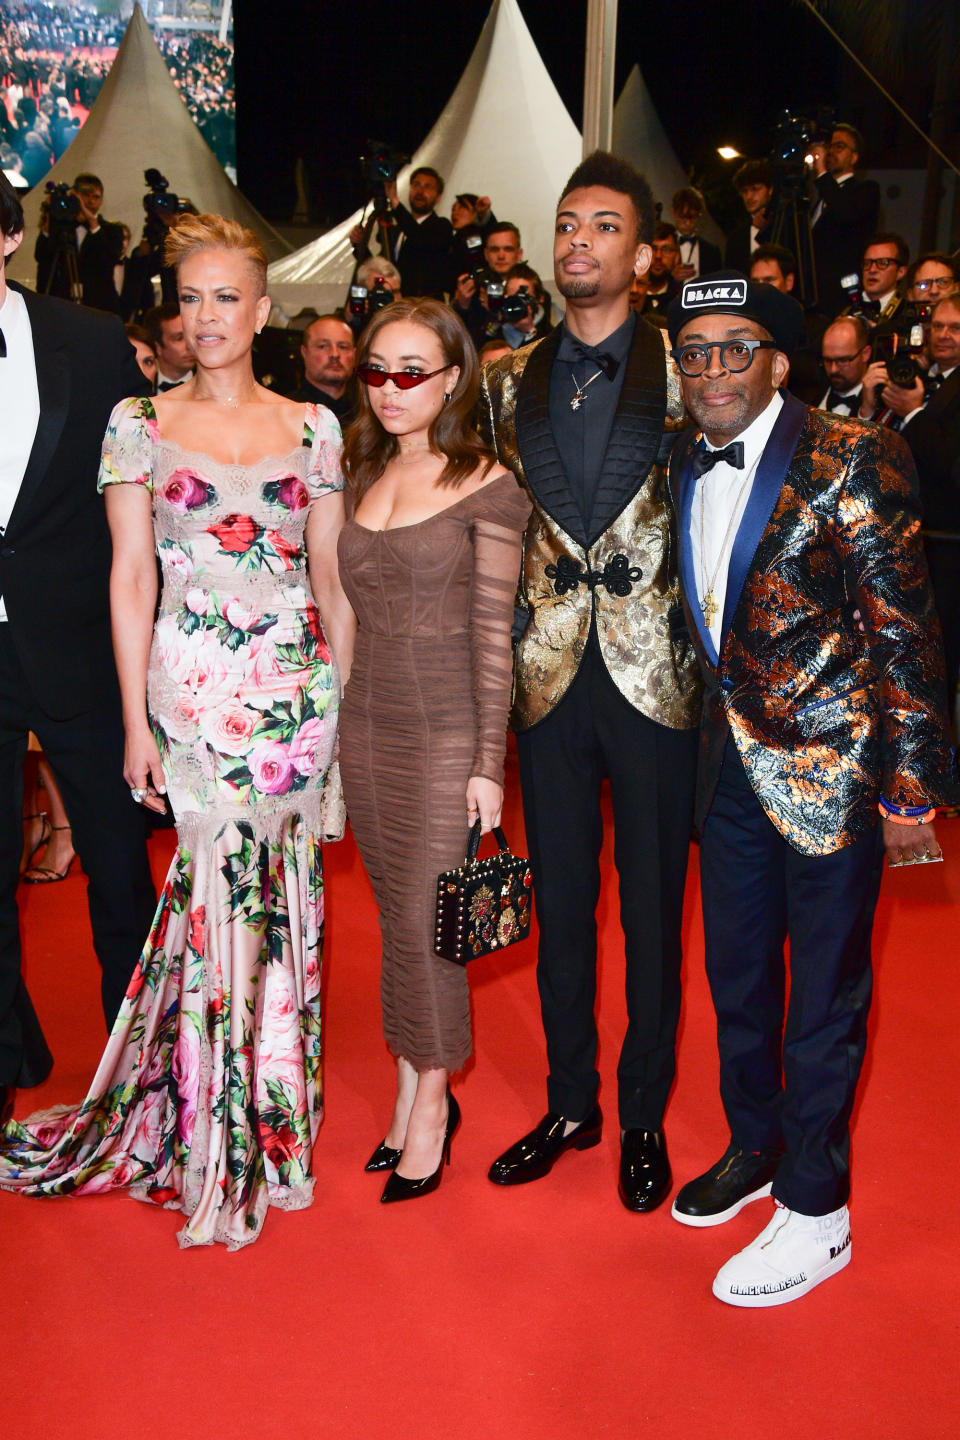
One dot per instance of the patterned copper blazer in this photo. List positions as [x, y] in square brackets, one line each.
[624, 570]
[825, 718]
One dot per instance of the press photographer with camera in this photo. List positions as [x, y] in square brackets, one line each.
[844, 215]
[419, 239]
[76, 241]
[932, 277]
[884, 264]
[162, 208]
[480, 290]
[375, 284]
[328, 353]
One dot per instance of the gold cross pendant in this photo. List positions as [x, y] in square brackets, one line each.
[710, 608]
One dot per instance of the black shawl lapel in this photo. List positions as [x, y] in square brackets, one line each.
[636, 431]
[53, 383]
[542, 464]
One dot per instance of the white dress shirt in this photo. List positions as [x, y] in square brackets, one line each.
[720, 498]
[690, 252]
[19, 405]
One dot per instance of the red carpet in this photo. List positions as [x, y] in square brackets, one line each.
[542, 1312]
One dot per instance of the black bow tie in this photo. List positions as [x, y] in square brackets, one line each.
[869, 307]
[168, 385]
[608, 363]
[704, 460]
[852, 401]
[3, 347]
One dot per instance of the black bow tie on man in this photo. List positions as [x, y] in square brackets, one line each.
[704, 460]
[852, 401]
[608, 363]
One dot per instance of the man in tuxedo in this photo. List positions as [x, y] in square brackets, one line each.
[62, 369]
[99, 249]
[823, 744]
[606, 682]
[662, 287]
[697, 256]
[175, 361]
[844, 215]
[420, 243]
[753, 182]
[845, 351]
[884, 265]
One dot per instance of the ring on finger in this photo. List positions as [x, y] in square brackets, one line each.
[138, 795]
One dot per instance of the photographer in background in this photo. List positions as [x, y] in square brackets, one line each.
[420, 242]
[98, 248]
[162, 209]
[471, 217]
[844, 215]
[931, 277]
[479, 290]
[375, 284]
[174, 361]
[845, 356]
[697, 256]
[884, 265]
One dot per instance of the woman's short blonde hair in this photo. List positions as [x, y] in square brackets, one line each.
[193, 233]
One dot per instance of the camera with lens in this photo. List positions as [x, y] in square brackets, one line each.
[477, 268]
[380, 166]
[363, 302]
[160, 204]
[790, 143]
[899, 344]
[64, 212]
[518, 307]
[493, 288]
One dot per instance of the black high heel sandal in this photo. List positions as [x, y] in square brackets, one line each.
[45, 874]
[398, 1187]
[46, 830]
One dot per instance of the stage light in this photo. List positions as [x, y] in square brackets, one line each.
[727, 152]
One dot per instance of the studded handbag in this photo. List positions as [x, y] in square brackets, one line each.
[483, 905]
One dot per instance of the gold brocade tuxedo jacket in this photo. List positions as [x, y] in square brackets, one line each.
[620, 569]
[826, 717]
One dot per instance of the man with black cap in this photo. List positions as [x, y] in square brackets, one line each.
[824, 744]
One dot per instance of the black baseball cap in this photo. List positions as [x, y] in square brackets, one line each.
[729, 292]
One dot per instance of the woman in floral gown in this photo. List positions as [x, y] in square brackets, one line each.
[208, 1096]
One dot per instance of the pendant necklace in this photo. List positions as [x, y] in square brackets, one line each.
[579, 398]
[709, 604]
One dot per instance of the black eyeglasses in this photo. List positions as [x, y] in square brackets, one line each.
[403, 379]
[883, 263]
[939, 282]
[735, 355]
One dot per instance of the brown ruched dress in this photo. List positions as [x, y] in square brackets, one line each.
[424, 710]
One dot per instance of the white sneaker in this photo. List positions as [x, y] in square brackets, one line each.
[792, 1255]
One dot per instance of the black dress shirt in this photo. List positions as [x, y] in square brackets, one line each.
[582, 434]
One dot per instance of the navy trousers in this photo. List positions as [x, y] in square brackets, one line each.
[792, 1084]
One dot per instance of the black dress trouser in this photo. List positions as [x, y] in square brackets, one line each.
[593, 734]
[86, 755]
[793, 1084]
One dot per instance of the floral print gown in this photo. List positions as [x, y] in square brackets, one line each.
[208, 1096]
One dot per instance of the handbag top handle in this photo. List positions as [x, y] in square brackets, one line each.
[473, 844]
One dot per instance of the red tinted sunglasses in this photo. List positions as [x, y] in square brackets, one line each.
[372, 375]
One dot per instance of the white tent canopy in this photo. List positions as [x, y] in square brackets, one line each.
[504, 133]
[639, 137]
[139, 120]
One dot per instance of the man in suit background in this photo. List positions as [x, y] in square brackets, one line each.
[99, 249]
[62, 369]
[697, 256]
[420, 244]
[823, 744]
[606, 682]
[754, 183]
[845, 214]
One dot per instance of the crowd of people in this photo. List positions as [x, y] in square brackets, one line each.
[677, 539]
[53, 62]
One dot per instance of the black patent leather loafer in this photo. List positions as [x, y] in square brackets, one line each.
[738, 1177]
[645, 1177]
[535, 1155]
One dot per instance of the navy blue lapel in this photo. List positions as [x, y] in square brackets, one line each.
[683, 486]
[538, 449]
[53, 384]
[767, 484]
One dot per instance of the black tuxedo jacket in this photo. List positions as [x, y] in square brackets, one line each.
[934, 439]
[710, 258]
[424, 257]
[849, 217]
[738, 246]
[55, 554]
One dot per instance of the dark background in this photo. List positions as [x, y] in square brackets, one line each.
[315, 78]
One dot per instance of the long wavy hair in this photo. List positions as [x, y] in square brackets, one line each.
[367, 447]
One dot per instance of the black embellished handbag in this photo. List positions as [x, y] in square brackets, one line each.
[485, 904]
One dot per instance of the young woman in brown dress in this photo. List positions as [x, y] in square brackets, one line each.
[430, 562]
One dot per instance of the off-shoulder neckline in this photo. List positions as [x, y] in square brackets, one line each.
[415, 524]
